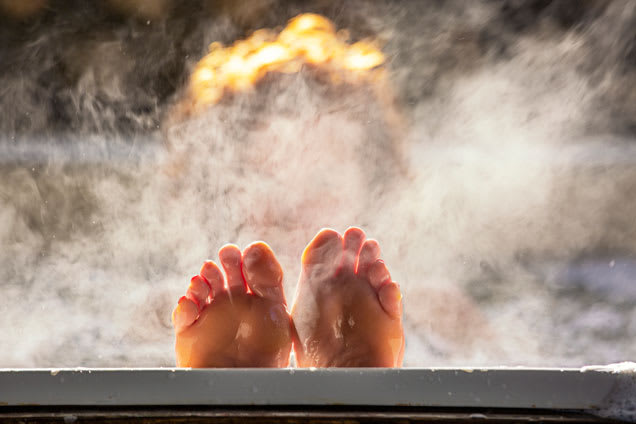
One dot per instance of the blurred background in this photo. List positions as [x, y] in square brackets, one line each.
[491, 152]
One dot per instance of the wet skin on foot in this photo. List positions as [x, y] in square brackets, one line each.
[348, 311]
[239, 321]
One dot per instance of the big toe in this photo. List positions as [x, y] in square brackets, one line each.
[263, 273]
[323, 255]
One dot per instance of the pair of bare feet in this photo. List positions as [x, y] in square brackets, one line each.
[347, 311]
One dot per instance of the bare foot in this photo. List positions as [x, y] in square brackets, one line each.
[243, 323]
[348, 312]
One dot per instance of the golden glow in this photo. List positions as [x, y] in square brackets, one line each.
[307, 39]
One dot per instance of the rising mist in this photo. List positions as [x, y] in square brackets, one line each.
[503, 196]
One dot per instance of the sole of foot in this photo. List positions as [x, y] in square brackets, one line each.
[237, 321]
[347, 311]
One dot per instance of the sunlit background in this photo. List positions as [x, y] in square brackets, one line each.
[489, 146]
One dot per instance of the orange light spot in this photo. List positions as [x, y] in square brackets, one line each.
[363, 56]
[307, 39]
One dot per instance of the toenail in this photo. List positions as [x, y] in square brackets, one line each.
[355, 233]
[231, 261]
[205, 280]
[327, 237]
[254, 253]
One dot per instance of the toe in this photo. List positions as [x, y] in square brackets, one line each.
[378, 274]
[353, 239]
[213, 275]
[230, 256]
[184, 314]
[322, 256]
[369, 253]
[391, 299]
[263, 273]
[198, 291]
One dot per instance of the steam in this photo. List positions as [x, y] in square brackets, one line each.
[503, 198]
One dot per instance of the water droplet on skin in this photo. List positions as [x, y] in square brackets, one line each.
[273, 315]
